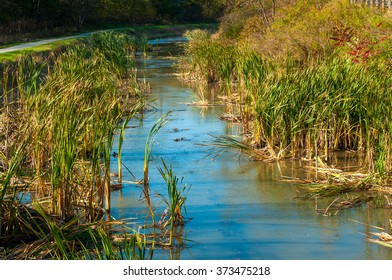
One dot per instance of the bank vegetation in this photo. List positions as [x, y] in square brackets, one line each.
[304, 79]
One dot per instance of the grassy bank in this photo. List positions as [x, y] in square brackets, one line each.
[315, 80]
[45, 48]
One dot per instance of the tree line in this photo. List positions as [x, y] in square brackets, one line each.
[18, 16]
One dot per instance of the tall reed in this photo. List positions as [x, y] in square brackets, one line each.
[176, 198]
[147, 158]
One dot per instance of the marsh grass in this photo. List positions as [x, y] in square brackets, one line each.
[329, 106]
[53, 238]
[8, 192]
[208, 60]
[292, 109]
[64, 112]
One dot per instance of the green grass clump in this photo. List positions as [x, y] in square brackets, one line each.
[176, 198]
[335, 104]
[209, 60]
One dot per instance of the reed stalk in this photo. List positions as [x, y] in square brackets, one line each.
[147, 158]
[12, 167]
[143, 44]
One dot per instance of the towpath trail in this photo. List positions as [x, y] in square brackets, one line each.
[40, 42]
